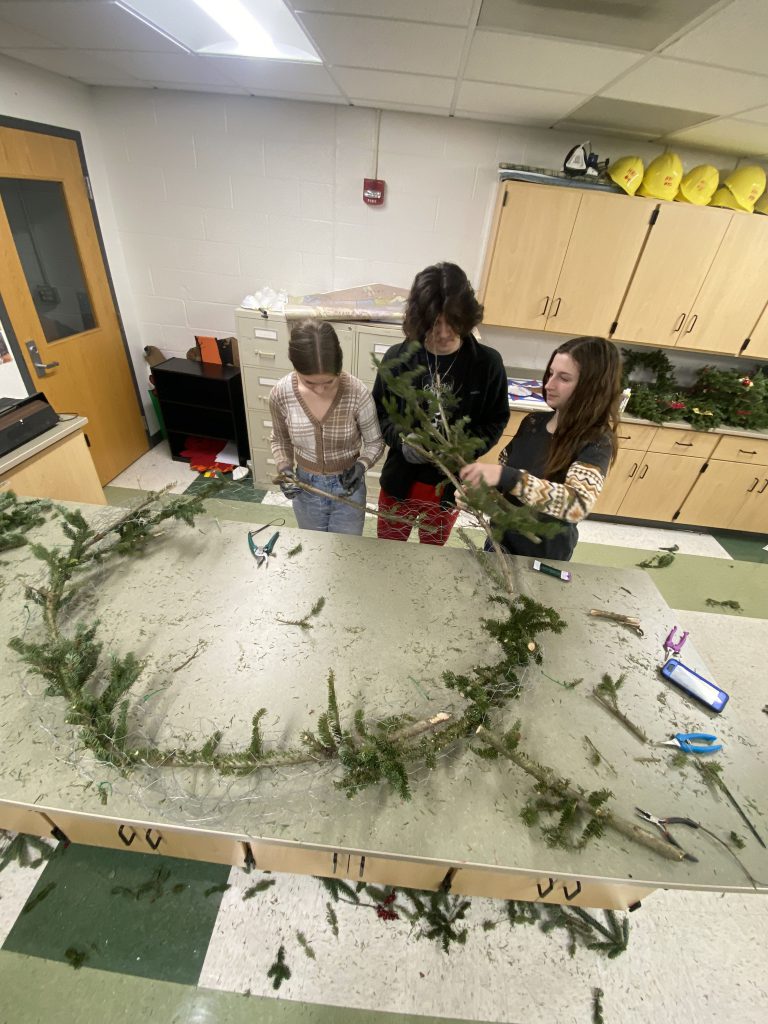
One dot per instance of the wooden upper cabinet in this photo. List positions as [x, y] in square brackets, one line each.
[734, 292]
[533, 227]
[602, 252]
[758, 337]
[677, 256]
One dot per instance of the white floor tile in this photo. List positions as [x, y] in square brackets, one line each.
[701, 953]
[156, 470]
[647, 538]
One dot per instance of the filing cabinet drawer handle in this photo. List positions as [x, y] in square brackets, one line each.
[266, 355]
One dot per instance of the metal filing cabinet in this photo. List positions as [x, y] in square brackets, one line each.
[263, 345]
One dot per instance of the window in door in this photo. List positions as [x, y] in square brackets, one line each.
[42, 232]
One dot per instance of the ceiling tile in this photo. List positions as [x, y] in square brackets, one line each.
[386, 45]
[544, 63]
[282, 76]
[514, 104]
[377, 86]
[639, 119]
[733, 38]
[675, 83]
[727, 136]
[634, 24]
[435, 12]
[82, 65]
[85, 25]
[178, 68]
[759, 115]
[12, 36]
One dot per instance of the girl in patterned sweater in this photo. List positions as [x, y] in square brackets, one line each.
[557, 462]
[325, 432]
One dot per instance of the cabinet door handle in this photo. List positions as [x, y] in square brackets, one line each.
[765, 484]
[755, 482]
[624, 437]
[643, 471]
[546, 306]
[556, 308]
[685, 444]
[743, 451]
[679, 323]
[692, 324]
[633, 470]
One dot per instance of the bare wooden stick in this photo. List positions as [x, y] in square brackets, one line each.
[547, 777]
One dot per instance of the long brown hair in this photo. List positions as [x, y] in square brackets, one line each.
[441, 290]
[592, 411]
[314, 348]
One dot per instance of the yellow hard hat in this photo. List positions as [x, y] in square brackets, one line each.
[747, 184]
[761, 206]
[662, 179]
[627, 173]
[699, 185]
[724, 197]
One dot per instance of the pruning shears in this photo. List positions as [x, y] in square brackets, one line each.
[685, 741]
[261, 552]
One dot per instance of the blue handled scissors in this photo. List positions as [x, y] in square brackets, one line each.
[685, 741]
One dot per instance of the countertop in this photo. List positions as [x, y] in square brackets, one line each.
[39, 444]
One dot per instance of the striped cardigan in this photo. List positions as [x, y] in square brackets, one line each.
[348, 433]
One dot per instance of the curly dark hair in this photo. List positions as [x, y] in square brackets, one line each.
[592, 411]
[314, 348]
[441, 290]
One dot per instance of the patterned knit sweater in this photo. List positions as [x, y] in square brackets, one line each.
[348, 432]
[567, 496]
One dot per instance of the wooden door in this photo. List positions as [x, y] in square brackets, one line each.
[660, 486]
[734, 292]
[532, 236]
[57, 294]
[617, 483]
[752, 517]
[757, 345]
[602, 252]
[720, 493]
[678, 253]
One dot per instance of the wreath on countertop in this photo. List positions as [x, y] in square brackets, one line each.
[657, 399]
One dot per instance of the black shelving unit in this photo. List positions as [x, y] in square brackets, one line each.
[201, 400]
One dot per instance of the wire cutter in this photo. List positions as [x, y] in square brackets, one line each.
[661, 825]
[261, 552]
[685, 741]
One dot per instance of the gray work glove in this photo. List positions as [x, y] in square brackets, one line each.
[288, 485]
[410, 454]
[350, 478]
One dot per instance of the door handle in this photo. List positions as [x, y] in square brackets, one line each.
[633, 470]
[679, 323]
[643, 471]
[754, 485]
[765, 484]
[546, 306]
[692, 324]
[41, 368]
[556, 308]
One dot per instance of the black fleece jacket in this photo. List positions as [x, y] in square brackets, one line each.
[479, 382]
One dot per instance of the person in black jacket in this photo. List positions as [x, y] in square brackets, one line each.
[557, 462]
[440, 314]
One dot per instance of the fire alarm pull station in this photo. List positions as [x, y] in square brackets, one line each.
[373, 191]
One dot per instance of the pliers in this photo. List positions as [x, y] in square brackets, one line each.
[685, 741]
[661, 825]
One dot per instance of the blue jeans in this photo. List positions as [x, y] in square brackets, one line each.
[315, 513]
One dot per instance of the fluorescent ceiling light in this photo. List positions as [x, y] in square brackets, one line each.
[234, 28]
